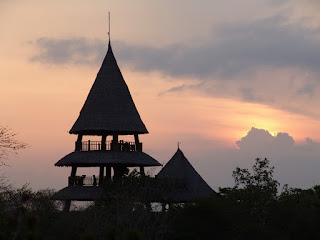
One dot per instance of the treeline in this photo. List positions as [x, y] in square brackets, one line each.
[252, 209]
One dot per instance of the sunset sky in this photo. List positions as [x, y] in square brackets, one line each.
[221, 77]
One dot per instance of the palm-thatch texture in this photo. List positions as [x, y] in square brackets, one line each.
[186, 183]
[109, 107]
[105, 158]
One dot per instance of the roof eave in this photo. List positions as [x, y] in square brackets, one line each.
[106, 132]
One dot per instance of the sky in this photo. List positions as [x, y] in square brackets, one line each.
[230, 80]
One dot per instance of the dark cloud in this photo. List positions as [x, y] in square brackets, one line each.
[181, 88]
[260, 139]
[234, 55]
[256, 139]
[295, 164]
[69, 51]
[240, 48]
[249, 94]
[283, 140]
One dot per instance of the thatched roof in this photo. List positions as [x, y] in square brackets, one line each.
[109, 107]
[107, 158]
[187, 183]
[79, 193]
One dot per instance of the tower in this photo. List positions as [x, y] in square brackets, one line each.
[108, 112]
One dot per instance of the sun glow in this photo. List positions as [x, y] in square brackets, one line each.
[229, 120]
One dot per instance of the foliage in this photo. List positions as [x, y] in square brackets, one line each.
[261, 179]
[253, 210]
[8, 144]
[25, 214]
[250, 210]
[256, 191]
[127, 208]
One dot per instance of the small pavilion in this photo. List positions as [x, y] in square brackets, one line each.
[186, 184]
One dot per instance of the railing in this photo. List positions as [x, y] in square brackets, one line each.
[83, 181]
[109, 145]
[94, 145]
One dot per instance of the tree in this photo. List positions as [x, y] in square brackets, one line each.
[260, 180]
[125, 211]
[256, 191]
[8, 144]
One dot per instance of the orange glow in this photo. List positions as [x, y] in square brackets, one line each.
[41, 101]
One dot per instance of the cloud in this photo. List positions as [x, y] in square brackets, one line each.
[296, 165]
[239, 48]
[181, 88]
[226, 66]
[69, 51]
[261, 140]
[256, 139]
[249, 95]
[307, 89]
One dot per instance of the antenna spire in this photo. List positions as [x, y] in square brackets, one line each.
[109, 26]
[179, 145]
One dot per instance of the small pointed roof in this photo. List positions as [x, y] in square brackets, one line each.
[109, 108]
[179, 168]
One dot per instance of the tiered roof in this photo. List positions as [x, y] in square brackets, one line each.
[109, 108]
[107, 158]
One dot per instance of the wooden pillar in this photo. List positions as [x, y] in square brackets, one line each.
[119, 171]
[79, 143]
[72, 179]
[67, 204]
[142, 171]
[138, 144]
[115, 144]
[73, 171]
[101, 175]
[136, 138]
[108, 173]
[103, 142]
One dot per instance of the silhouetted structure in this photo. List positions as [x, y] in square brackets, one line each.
[109, 111]
[185, 184]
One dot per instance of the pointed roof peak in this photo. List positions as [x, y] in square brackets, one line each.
[179, 152]
[109, 53]
[179, 169]
[109, 108]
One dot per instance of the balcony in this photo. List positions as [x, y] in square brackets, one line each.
[83, 181]
[107, 146]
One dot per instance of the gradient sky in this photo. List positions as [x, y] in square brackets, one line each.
[231, 80]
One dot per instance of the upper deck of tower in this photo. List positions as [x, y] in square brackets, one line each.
[109, 108]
